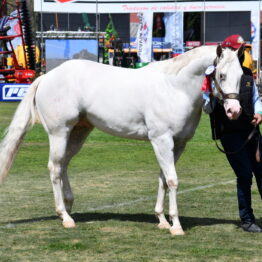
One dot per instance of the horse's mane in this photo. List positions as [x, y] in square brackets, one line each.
[174, 65]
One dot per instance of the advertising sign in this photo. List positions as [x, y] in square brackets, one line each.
[157, 44]
[193, 43]
[13, 92]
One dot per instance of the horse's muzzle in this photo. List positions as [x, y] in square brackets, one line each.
[232, 108]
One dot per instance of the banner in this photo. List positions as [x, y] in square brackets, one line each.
[144, 37]
[174, 24]
[139, 6]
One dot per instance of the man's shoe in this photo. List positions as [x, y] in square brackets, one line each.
[251, 227]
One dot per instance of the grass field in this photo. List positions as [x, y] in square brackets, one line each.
[115, 184]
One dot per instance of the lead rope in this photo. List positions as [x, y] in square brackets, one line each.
[258, 159]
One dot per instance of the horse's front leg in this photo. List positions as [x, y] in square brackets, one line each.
[163, 146]
[159, 208]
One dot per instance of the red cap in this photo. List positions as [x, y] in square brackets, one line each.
[233, 41]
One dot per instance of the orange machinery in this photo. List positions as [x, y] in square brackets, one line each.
[15, 72]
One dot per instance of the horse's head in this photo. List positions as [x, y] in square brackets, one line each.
[227, 79]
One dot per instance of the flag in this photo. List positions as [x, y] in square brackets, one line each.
[144, 37]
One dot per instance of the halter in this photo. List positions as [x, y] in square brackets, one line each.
[221, 92]
[218, 87]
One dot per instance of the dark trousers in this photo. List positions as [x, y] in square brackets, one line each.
[244, 165]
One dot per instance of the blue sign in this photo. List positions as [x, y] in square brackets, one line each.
[12, 92]
[157, 42]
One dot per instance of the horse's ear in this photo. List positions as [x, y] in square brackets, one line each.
[240, 51]
[219, 51]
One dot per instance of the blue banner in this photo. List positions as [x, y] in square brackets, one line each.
[12, 92]
[174, 24]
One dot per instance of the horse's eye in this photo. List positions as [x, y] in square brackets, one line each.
[222, 77]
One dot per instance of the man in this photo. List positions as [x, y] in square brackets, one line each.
[233, 134]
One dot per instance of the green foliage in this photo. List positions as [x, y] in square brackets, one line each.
[110, 171]
[110, 35]
[110, 29]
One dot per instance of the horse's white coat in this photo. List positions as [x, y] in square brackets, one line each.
[161, 103]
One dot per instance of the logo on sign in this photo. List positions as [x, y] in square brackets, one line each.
[14, 92]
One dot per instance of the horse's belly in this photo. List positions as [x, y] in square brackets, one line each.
[187, 129]
[125, 128]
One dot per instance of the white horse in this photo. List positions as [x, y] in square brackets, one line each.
[161, 102]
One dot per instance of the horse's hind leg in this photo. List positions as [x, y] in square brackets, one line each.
[74, 144]
[57, 156]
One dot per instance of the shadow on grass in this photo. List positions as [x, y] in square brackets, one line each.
[187, 222]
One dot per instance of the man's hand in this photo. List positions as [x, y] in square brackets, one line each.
[257, 119]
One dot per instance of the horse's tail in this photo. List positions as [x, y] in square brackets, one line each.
[24, 117]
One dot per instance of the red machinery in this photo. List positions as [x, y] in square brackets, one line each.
[16, 72]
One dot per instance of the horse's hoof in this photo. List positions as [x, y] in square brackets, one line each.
[177, 231]
[69, 224]
[164, 226]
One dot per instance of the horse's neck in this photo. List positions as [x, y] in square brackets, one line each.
[199, 61]
[191, 77]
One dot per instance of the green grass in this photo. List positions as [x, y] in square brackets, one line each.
[109, 171]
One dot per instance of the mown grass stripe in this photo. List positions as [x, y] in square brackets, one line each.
[139, 200]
